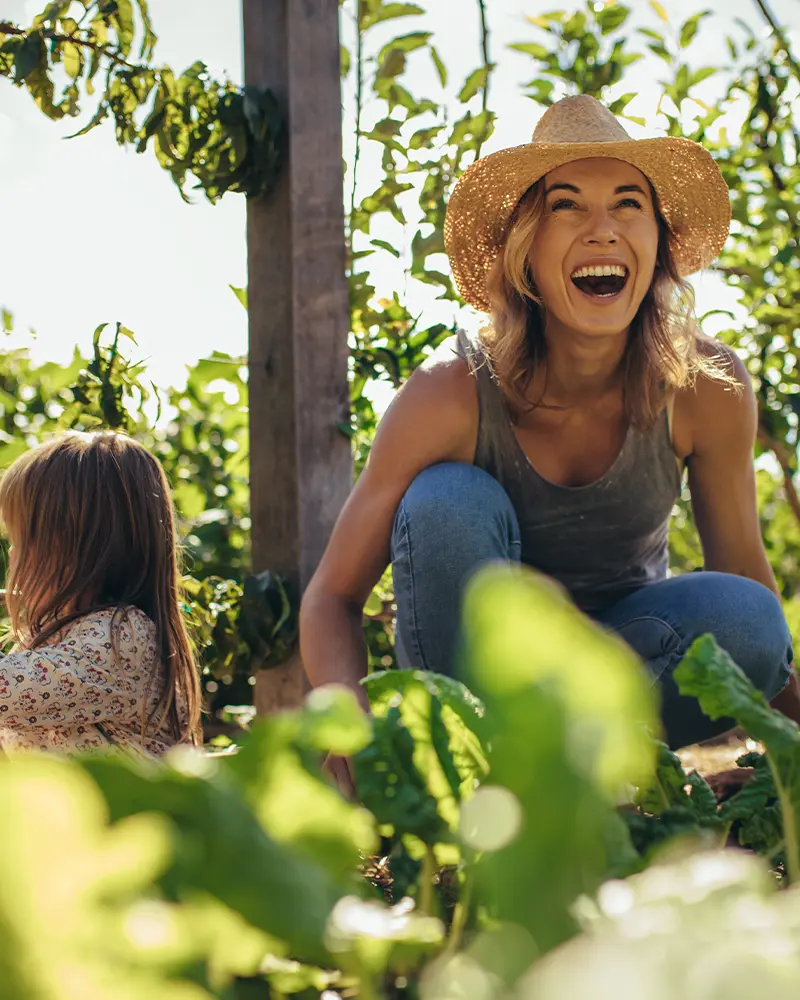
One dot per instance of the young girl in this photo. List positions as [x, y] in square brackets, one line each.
[102, 656]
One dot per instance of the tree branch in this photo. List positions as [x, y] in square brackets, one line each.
[779, 35]
[6, 28]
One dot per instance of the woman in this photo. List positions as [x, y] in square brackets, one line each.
[561, 435]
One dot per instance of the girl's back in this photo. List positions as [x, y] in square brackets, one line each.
[93, 591]
[87, 688]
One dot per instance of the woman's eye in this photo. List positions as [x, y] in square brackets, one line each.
[629, 203]
[562, 203]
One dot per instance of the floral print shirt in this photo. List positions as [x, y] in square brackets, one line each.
[74, 693]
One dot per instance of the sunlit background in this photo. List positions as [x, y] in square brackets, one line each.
[93, 233]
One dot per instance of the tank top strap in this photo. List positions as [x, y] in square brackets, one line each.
[496, 443]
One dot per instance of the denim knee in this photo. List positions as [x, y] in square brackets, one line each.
[453, 519]
[768, 654]
[456, 500]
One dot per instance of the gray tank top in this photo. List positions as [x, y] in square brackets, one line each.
[601, 541]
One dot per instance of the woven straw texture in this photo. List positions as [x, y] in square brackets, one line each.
[691, 192]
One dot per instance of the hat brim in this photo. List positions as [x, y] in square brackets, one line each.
[691, 192]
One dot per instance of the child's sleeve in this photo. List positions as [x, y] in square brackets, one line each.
[56, 687]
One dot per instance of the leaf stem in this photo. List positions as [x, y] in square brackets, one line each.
[426, 880]
[789, 826]
[359, 110]
[460, 914]
[488, 67]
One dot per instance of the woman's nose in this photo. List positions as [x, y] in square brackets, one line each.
[600, 230]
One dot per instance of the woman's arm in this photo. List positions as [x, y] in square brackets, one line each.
[433, 418]
[723, 486]
[724, 422]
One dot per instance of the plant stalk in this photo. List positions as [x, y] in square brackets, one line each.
[359, 111]
[426, 886]
[488, 67]
[789, 827]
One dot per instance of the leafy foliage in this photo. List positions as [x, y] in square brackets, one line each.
[234, 876]
[723, 690]
[225, 137]
[241, 622]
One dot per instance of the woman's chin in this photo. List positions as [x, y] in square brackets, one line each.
[608, 325]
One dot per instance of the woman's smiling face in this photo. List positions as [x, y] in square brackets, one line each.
[594, 251]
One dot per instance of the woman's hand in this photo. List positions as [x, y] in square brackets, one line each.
[341, 770]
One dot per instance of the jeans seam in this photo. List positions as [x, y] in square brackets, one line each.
[649, 618]
[415, 636]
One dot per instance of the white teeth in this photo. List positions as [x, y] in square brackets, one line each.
[600, 271]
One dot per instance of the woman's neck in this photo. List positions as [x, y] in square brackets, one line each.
[581, 369]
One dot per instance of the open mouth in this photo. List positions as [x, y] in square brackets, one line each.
[600, 281]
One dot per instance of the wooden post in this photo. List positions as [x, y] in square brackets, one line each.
[300, 463]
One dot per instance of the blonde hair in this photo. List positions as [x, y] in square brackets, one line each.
[91, 524]
[662, 353]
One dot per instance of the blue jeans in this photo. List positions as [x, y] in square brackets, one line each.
[455, 517]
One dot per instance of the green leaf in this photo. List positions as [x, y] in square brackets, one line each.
[333, 722]
[383, 245]
[541, 91]
[71, 60]
[389, 11]
[649, 33]
[661, 51]
[29, 57]
[475, 82]
[532, 49]
[429, 728]
[423, 246]
[441, 69]
[408, 43]
[574, 28]
[55, 826]
[657, 7]
[604, 677]
[344, 61]
[568, 707]
[618, 107]
[423, 138]
[702, 74]
[612, 17]
[221, 849]
[689, 28]
[126, 25]
[390, 784]
[724, 691]
[240, 293]
[392, 64]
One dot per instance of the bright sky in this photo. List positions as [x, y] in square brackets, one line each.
[93, 233]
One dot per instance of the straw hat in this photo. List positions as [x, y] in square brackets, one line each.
[691, 191]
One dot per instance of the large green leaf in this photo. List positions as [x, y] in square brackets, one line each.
[75, 915]
[222, 850]
[568, 709]
[278, 772]
[724, 691]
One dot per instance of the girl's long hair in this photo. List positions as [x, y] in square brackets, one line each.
[663, 348]
[91, 526]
